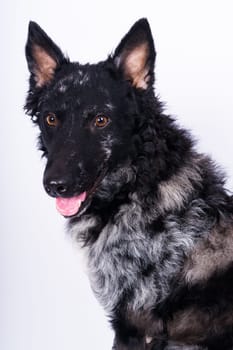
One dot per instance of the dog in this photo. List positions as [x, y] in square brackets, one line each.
[151, 213]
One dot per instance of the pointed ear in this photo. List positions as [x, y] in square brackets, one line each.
[135, 55]
[43, 56]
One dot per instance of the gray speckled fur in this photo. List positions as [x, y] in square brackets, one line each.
[115, 260]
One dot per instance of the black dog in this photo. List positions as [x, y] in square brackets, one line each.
[151, 213]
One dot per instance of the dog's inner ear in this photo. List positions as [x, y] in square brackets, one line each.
[44, 66]
[134, 66]
[135, 55]
[43, 55]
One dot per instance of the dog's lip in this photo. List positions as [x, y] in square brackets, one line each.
[80, 201]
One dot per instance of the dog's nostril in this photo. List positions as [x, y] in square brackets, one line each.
[48, 189]
[61, 189]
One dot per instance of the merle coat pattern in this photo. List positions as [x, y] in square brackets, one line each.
[151, 213]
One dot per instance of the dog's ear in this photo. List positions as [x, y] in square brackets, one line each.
[43, 55]
[135, 55]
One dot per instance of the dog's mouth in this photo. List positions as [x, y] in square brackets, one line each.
[69, 207]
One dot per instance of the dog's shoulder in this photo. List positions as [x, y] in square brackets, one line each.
[213, 254]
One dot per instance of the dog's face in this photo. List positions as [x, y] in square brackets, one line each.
[87, 114]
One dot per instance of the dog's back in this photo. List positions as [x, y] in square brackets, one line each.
[151, 213]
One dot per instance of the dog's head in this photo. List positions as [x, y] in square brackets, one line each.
[87, 114]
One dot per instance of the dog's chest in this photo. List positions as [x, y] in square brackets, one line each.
[116, 265]
[125, 260]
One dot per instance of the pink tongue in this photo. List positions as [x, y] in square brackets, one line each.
[70, 206]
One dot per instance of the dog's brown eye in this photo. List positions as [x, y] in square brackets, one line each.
[51, 119]
[101, 121]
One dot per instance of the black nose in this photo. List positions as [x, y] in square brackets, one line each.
[56, 188]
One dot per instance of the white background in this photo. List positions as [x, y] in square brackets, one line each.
[45, 299]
